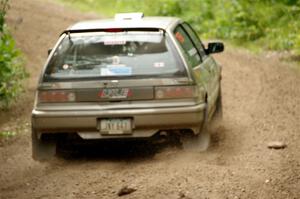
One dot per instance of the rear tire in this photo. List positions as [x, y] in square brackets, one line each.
[42, 149]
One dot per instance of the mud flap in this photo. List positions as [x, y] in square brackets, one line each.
[42, 150]
[197, 142]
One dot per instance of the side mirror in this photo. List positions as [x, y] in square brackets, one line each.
[215, 47]
[49, 51]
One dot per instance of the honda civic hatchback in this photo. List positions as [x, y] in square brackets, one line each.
[127, 77]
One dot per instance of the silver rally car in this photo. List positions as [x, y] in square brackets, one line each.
[127, 77]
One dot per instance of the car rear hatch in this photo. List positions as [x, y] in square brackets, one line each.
[115, 65]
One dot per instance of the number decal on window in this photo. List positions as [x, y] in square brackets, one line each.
[179, 37]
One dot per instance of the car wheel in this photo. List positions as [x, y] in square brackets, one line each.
[42, 149]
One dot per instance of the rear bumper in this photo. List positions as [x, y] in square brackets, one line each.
[146, 121]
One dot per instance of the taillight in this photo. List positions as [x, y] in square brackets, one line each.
[169, 92]
[113, 30]
[56, 96]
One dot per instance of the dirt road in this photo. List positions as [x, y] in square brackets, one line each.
[261, 104]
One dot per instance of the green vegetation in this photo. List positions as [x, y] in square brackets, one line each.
[11, 69]
[7, 134]
[268, 24]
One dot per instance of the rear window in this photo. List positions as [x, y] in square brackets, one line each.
[114, 54]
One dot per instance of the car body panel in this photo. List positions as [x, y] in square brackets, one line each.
[155, 118]
[208, 75]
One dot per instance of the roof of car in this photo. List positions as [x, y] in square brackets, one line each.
[144, 22]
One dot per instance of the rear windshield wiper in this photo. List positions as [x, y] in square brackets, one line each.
[87, 65]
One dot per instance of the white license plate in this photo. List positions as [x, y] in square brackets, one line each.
[115, 126]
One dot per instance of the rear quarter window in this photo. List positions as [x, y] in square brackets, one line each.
[187, 46]
[195, 39]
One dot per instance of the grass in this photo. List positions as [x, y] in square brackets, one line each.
[7, 134]
[102, 7]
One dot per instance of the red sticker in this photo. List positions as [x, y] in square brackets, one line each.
[179, 37]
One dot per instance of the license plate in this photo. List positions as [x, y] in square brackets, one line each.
[115, 126]
[115, 93]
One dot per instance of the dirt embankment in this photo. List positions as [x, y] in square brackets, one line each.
[261, 104]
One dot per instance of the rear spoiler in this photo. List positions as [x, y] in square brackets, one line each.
[112, 30]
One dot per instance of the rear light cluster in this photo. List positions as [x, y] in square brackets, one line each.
[171, 92]
[56, 96]
[114, 30]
